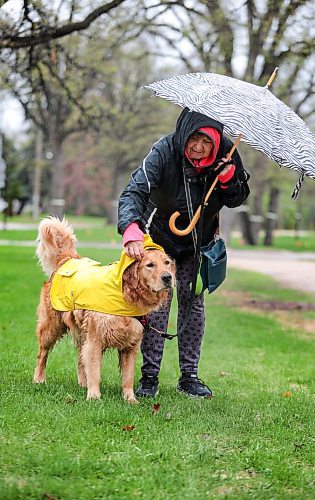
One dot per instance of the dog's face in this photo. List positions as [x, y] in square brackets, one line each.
[156, 271]
[147, 282]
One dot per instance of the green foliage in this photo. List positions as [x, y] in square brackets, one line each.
[130, 122]
[253, 439]
[18, 174]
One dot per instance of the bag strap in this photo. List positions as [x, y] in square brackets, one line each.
[217, 231]
[198, 236]
[189, 206]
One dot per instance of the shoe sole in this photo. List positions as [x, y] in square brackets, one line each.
[147, 395]
[192, 396]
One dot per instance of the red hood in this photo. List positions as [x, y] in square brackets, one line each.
[215, 136]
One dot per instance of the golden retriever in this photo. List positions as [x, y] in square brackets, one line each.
[146, 284]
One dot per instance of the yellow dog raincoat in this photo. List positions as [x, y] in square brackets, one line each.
[85, 284]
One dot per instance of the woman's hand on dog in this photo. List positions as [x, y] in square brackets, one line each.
[135, 249]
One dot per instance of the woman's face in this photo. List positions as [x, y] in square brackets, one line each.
[199, 146]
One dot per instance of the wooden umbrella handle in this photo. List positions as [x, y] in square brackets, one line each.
[273, 76]
[194, 220]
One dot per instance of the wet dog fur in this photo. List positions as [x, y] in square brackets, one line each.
[146, 283]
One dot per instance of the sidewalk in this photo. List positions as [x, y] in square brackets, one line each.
[291, 269]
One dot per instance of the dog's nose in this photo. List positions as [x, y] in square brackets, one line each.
[166, 278]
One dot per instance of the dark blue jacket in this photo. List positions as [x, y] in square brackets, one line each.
[156, 188]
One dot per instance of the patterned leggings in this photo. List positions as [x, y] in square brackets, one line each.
[189, 342]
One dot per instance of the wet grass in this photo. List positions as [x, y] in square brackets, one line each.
[96, 230]
[106, 234]
[302, 243]
[254, 439]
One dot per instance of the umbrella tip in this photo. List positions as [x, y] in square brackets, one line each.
[273, 76]
[298, 186]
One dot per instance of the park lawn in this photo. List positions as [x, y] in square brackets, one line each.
[27, 218]
[254, 439]
[302, 243]
[96, 230]
[105, 234]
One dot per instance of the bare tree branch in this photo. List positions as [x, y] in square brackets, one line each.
[46, 33]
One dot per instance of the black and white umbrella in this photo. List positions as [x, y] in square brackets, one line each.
[265, 122]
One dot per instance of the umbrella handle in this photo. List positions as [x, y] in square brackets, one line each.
[194, 220]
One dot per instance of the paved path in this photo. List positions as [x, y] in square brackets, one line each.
[291, 269]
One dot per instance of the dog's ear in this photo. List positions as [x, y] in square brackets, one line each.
[173, 266]
[131, 282]
[131, 275]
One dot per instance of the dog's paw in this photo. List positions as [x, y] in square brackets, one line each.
[130, 398]
[91, 395]
[39, 380]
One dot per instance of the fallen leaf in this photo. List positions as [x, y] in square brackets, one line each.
[287, 394]
[224, 374]
[155, 408]
[129, 427]
[168, 416]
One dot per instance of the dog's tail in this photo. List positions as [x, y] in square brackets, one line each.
[55, 242]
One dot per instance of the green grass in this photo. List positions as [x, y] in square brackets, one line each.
[107, 234]
[304, 243]
[254, 439]
[98, 231]
[76, 219]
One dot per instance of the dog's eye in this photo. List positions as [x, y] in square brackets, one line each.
[167, 262]
[151, 264]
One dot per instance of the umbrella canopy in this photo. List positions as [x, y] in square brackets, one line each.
[265, 122]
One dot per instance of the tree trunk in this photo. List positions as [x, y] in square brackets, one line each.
[251, 223]
[57, 201]
[271, 217]
[245, 225]
[256, 217]
[118, 185]
[227, 223]
[298, 222]
[37, 175]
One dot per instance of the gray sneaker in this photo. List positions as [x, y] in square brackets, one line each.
[192, 386]
[148, 386]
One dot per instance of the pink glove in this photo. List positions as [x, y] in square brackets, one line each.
[132, 233]
[226, 177]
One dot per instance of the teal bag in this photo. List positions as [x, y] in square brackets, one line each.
[211, 260]
[213, 263]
